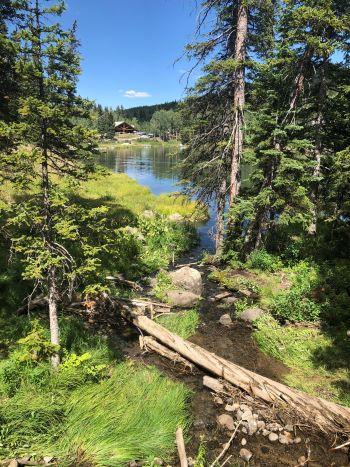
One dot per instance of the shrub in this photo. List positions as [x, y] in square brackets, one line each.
[293, 305]
[264, 261]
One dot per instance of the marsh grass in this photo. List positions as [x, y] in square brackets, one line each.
[132, 415]
[182, 323]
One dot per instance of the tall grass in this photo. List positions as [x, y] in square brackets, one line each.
[182, 323]
[132, 415]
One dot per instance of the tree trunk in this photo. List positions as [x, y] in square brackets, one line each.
[319, 122]
[238, 97]
[328, 416]
[220, 224]
[52, 301]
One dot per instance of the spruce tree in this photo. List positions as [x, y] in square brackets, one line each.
[55, 154]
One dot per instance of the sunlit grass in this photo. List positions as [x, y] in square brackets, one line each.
[182, 323]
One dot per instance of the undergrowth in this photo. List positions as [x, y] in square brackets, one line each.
[182, 323]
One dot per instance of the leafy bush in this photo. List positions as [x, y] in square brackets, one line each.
[264, 261]
[293, 305]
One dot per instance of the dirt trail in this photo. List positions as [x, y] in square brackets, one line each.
[235, 343]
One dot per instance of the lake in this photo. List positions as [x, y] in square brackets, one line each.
[156, 167]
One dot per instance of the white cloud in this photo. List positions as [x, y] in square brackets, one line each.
[136, 94]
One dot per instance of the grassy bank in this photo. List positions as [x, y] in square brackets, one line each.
[133, 142]
[96, 409]
[306, 317]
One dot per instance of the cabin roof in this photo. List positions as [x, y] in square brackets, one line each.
[120, 123]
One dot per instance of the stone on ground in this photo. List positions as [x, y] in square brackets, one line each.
[251, 314]
[273, 437]
[225, 320]
[245, 454]
[176, 217]
[226, 421]
[182, 298]
[189, 279]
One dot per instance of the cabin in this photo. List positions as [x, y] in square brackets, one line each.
[124, 127]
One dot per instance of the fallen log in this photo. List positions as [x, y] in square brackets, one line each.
[328, 416]
[147, 342]
[181, 447]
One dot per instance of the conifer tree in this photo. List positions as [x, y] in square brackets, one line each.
[55, 154]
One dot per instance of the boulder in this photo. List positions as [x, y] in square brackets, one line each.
[225, 320]
[251, 314]
[230, 300]
[176, 217]
[189, 279]
[226, 421]
[182, 298]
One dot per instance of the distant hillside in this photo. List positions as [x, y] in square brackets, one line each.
[144, 113]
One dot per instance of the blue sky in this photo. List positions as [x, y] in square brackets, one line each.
[129, 48]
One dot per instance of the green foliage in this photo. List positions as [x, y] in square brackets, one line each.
[293, 305]
[264, 261]
[235, 281]
[163, 285]
[132, 415]
[182, 323]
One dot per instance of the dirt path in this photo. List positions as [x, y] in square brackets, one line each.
[235, 343]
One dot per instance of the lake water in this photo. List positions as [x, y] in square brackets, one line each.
[156, 167]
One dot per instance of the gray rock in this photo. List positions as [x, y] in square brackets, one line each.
[247, 415]
[273, 437]
[239, 414]
[297, 440]
[176, 217]
[273, 427]
[187, 278]
[265, 432]
[226, 421]
[182, 298]
[245, 454]
[230, 300]
[222, 295]
[289, 427]
[229, 408]
[251, 314]
[244, 407]
[261, 424]
[283, 439]
[225, 320]
[218, 400]
[243, 442]
[252, 427]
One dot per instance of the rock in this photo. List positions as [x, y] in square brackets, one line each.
[244, 430]
[243, 442]
[247, 415]
[265, 432]
[176, 217]
[273, 427]
[261, 424]
[189, 279]
[190, 461]
[239, 414]
[229, 408]
[13, 463]
[133, 464]
[302, 460]
[226, 421]
[273, 437]
[218, 400]
[158, 461]
[289, 428]
[225, 320]
[255, 416]
[244, 407]
[148, 214]
[245, 454]
[252, 427]
[283, 439]
[230, 300]
[251, 314]
[297, 440]
[222, 295]
[182, 298]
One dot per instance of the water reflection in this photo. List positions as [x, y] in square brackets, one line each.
[155, 167]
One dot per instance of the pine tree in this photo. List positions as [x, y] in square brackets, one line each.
[43, 220]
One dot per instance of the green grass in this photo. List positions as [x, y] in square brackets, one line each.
[132, 415]
[182, 323]
[102, 410]
[318, 361]
[121, 189]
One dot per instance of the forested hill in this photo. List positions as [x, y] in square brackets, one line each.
[144, 113]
